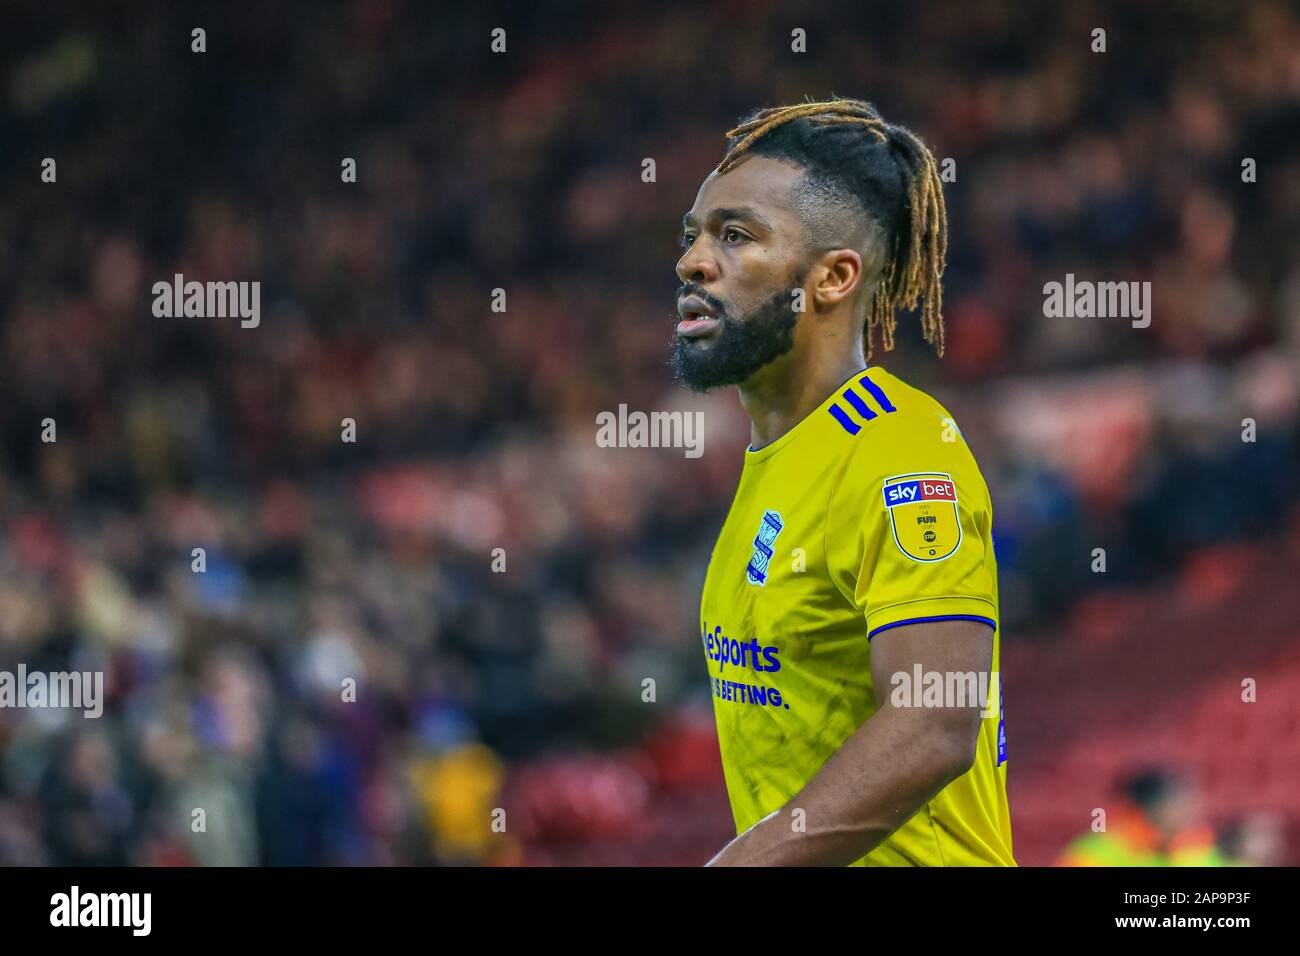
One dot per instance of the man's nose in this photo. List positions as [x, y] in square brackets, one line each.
[697, 266]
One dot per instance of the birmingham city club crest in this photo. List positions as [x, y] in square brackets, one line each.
[764, 547]
[923, 513]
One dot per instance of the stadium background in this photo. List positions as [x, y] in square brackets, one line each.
[475, 429]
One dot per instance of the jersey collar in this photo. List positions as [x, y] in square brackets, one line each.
[754, 456]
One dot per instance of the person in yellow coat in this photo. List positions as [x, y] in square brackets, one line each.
[1157, 824]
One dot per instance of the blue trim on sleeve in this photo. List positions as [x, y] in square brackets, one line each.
[939, 617]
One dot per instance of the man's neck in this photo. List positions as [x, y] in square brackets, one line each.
[784, 393]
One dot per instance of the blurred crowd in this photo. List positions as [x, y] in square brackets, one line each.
[494, 587]
[1157, 820]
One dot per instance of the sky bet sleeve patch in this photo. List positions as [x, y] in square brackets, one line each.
[923, 512]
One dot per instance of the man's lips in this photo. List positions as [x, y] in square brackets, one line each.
[698, 318]
[697, 328]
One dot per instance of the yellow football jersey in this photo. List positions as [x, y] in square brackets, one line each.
[870, 513]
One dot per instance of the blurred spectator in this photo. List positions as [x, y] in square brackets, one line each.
[1157, 823]
[1257, 839]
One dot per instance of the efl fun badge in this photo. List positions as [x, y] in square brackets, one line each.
[923, 512]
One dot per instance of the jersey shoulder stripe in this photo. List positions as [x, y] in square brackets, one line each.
[911, 435]
[858, 404]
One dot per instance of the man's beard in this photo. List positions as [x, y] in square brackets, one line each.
[740, 347]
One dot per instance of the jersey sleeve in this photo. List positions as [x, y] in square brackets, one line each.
[915, 545]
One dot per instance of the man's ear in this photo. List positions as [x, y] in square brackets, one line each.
[839, 275]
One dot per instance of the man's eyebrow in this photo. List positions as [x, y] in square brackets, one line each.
[743, 213]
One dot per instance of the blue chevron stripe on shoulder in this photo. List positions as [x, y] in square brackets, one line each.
[877, 394]
[859, 406]
[842, 417]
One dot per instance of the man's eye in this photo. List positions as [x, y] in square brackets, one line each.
[686, 240]
[729, 233]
